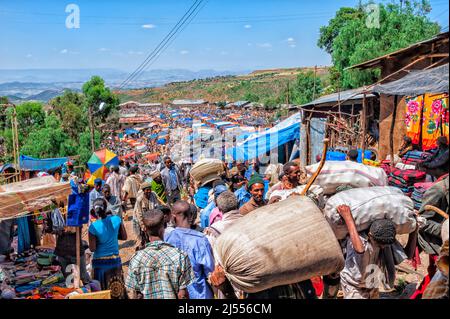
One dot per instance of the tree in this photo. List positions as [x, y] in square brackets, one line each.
[48, 141]
[350, 41]
[304, 89]
[69, 109]
[30, 115]
[95, 93]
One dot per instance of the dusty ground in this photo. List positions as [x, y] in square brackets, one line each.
[406, 282]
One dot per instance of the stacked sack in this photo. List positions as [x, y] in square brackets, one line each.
[405, 179]
[419, 191]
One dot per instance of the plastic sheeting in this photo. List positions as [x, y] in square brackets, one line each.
[434, 80]
[28, 163]
[259, 143]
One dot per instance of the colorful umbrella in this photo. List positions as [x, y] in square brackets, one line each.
[99, 164]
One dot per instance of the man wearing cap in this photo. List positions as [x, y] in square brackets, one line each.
[158, 186]
[114, 204]
[95, 193]
[131, 187]
[256, 188]
[146, 200]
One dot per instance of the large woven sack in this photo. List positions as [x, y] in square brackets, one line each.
[444, 231]
[337, 173]
[278, 244]
[205, 168]
[369, 204]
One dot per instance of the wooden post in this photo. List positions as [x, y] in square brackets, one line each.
[76, 282]
[364, 128]
[391, 133]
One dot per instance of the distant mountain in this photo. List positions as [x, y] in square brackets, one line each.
[29, 83]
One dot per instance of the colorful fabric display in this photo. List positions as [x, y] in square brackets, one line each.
[405, 179]
[419, 190]
[412, 117]
[435, 120]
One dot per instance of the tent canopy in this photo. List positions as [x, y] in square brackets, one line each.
[259, 143]
[28, 163]
[431, 81]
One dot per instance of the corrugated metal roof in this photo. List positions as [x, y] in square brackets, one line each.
[348, 95]
[188, 102]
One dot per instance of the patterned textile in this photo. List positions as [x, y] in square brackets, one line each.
[412, 118]
[109, 273]
[405, 179]
[435, 120]
[159, 271]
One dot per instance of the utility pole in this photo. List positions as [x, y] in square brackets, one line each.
[91, 127]
[15, 142]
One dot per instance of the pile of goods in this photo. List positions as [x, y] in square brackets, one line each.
[258, 258]
[405, 179]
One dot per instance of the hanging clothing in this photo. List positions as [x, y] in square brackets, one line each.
[24, 242]
[414, 107]
[432, 127]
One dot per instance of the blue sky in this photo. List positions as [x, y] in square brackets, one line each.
[225, 35]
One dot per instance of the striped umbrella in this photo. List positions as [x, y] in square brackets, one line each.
[99, 164]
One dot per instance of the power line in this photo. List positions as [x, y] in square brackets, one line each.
[161, 45]
[161, 50]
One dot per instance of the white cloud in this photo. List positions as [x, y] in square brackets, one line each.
[135, 52]
[247, 26]
[28, 56]
[104, 49]
[291, 42]
[264, 45]
[64, 51]
[148, 26]
[183, 52]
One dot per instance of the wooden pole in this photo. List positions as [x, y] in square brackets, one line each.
[316, 173]
[77, 277]
[364, 128]
[391, 133]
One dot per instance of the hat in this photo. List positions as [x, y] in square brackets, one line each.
[255, 179]
[146, 185]
[219, 189]
[209, 178]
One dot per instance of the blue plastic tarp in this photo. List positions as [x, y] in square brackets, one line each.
[130, 131]
[260, 143]
[28, 163]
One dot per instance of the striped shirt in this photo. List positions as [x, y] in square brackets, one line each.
[159, 271]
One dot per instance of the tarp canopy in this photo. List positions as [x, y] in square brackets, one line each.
[259, 143]
[28, 163]
[431, 81]
[130, 131]
[20, 198]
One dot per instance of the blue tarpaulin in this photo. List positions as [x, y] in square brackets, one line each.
[28, 163]
[130, 131]
[260, 143]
